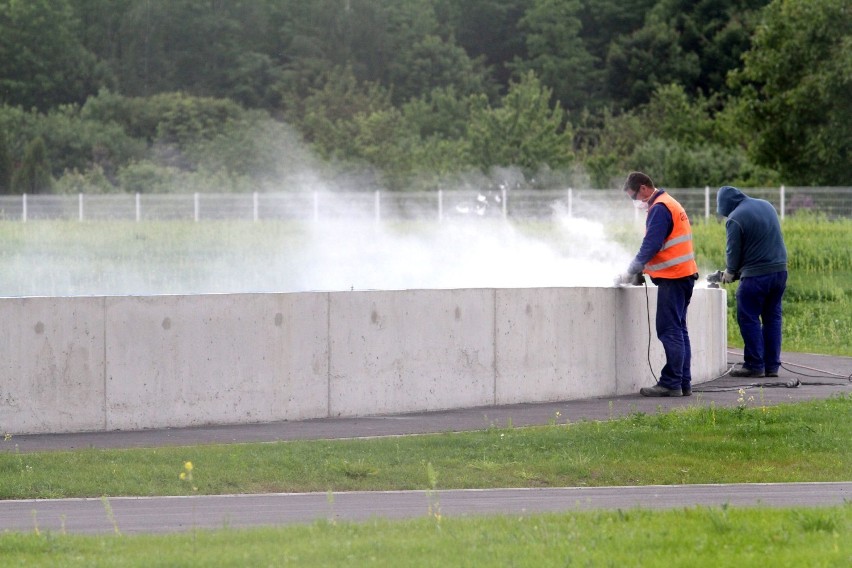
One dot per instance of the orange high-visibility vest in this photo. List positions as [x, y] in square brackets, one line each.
[676, 259]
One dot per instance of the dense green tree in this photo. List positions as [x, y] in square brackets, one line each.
[74, 143]
[42, 61]
[556, 52]
[604, 21]
[674, 137]
[795, 108]
[433, 63]
[329, 115]
[648, 58]
[694, 43]
[524, 131]
[5, 166]
[255, 146]
[409, 92]
[442, 113]
[202, 47]
[170, 118]
[33, 176]
[92, 180]
[487, 29]
[366, 36]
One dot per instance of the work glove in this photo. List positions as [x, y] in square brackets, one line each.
[728, 277]
[627, 279]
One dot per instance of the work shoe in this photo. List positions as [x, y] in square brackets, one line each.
[771, 373]
[659, 390]
[687, 391]
[746, 372]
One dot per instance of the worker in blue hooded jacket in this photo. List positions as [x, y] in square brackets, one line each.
[756, 255]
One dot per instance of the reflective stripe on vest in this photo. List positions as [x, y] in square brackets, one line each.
[676, 258]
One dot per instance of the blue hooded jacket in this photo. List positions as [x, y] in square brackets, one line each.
[755, 244]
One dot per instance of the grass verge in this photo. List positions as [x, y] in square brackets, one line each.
[698, 536]
[750, 443]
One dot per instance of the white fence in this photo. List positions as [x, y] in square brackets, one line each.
[385, 205]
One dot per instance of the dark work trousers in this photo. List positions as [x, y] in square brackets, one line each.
[759, 316]
[673, 297]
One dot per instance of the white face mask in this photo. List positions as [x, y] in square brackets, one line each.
[640, 205]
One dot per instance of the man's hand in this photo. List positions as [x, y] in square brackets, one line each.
[728, 277]
[627, 279]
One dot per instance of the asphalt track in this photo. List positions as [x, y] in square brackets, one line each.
[820, 377]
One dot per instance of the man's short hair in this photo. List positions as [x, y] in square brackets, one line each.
[635, 180]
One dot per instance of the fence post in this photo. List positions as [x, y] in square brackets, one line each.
[24, 208]
[570, 202]
[254, 204]
[138, 207]
[783, 199]
[316, 206]
[505, 203]
[195, 205]
[440, 205]
[378, 206]
[80, 207]
[706, 203]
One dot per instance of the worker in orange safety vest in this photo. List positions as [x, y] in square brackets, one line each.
[668, 258]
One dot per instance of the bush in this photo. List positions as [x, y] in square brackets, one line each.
[90, 181]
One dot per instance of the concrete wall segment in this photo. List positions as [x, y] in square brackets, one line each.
[189, 360]
[51, 365]
[87, 364]
[410, 350]
[554, 344]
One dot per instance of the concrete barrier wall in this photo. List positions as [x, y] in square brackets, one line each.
[125, 363]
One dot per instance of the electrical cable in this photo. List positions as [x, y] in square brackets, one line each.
[793, 383]
[824, 375]
[648, 312]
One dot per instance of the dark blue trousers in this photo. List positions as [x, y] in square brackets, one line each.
[673, 297]
[759, 316]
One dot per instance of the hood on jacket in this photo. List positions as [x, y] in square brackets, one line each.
[727, 199]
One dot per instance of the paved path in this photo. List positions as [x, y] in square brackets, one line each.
[170, 514]
[821, 377]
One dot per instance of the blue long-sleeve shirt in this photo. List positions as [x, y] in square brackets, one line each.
[755, 244]
[658, 226]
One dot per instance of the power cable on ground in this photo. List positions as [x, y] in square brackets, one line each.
[793, 383]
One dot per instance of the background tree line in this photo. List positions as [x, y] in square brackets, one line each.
[242, 95]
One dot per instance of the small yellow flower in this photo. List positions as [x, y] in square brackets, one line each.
[183, 475]
[188, 466]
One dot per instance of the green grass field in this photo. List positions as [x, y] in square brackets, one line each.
[695, 536]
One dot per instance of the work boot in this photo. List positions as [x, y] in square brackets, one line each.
[687, 391]
[746, 373]
[771, 373]
[659, 390]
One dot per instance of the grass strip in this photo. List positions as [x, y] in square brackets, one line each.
[749, 443]
[696, 536]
